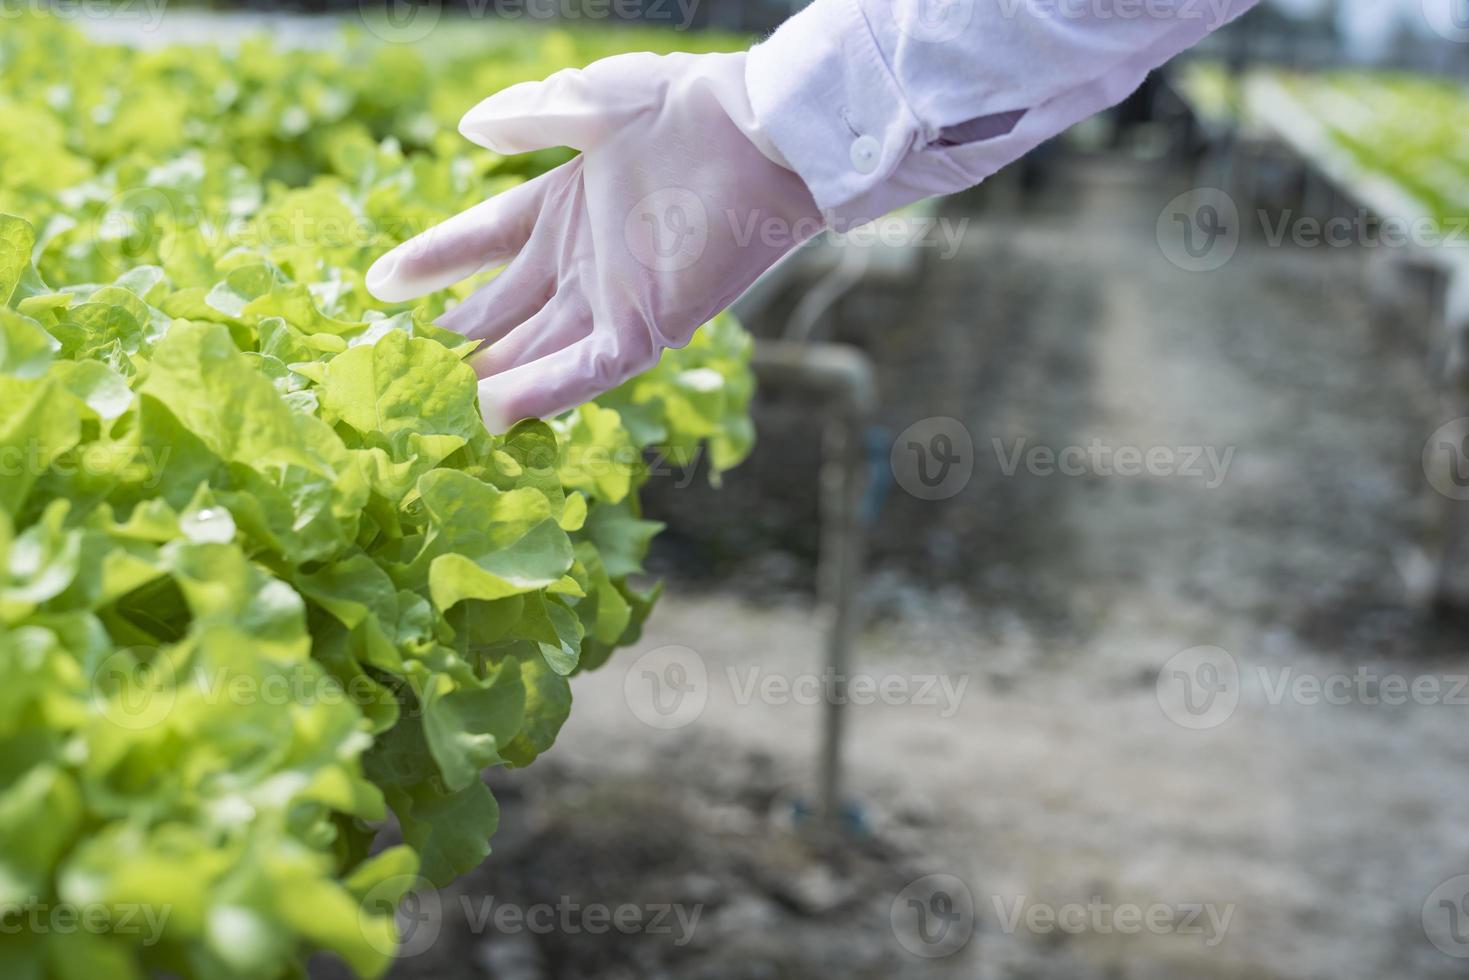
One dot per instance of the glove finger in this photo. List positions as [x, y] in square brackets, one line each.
[566, 378]
[560, 323]
[486, 235]
[573, 107]
[514, 296]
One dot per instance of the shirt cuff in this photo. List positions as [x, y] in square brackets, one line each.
[823, 94]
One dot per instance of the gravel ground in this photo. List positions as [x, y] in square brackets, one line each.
[1037, 635]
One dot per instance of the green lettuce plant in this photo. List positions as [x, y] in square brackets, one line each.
[266, 581]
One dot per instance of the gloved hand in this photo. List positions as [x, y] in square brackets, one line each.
[675, 205]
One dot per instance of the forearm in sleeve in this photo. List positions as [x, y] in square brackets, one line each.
[877, 103]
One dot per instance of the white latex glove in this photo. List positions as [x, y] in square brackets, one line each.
[671, 210]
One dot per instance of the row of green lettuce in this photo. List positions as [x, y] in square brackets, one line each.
[1409, 129]
[1405, 128]
[266, 581]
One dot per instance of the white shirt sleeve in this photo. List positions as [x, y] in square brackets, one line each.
[877, 103]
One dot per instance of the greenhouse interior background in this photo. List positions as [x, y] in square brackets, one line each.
[1065, 578]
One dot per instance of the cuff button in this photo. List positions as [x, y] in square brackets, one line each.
[866, 154]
